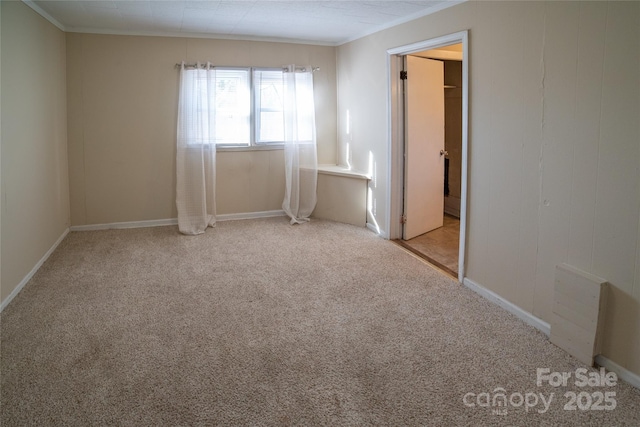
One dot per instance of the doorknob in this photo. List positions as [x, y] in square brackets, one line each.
[444, 153]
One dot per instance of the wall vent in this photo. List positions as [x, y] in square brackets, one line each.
[578, 312]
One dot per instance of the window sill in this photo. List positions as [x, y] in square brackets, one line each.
[252, 148]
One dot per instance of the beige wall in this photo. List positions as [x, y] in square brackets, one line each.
[122, 109]
[35, 189]
[553, 146]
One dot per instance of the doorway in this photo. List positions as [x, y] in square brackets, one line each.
[429, 99]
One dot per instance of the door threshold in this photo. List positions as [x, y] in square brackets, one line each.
[430, 260]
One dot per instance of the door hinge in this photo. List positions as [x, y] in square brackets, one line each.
[403, 75]
[403, 219]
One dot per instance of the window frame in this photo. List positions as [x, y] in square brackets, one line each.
[254, 120]
[250, 89]
[256, 112]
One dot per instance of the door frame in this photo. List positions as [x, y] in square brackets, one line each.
[396, 137]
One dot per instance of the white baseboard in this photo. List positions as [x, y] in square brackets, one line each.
[249, 215]
[623, 373]
[129, 224]
[173, 221]
[33, 271]
[523, 315]
[377, 230]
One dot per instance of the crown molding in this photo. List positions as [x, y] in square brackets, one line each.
[44, 14]
[441, 6]
[196, 36]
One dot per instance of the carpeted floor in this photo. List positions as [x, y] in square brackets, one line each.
[262, 323]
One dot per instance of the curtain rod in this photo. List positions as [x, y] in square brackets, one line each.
[178, 65]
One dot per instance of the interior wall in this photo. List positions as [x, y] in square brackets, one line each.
[554, 158]
[35, 195]
[122, 108]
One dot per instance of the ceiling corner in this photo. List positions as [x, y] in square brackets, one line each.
[437, 8]
[44, 14]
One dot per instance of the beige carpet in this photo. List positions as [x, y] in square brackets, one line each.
[262, 323]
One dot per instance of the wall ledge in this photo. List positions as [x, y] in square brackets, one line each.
[342, 171]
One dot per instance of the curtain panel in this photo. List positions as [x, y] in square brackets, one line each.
[196, 150]
[300, 152]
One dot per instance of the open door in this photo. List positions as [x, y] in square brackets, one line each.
[424, 146]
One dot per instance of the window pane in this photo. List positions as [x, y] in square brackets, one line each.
[271, 127]
[233, 107]
[269, 90]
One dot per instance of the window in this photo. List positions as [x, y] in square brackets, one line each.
[232, 107]
[249, 107]
[269, 106]
[269, 103]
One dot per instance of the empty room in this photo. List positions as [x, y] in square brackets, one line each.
[209, 211]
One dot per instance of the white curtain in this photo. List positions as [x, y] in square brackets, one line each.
[196, 150]
[300, 154]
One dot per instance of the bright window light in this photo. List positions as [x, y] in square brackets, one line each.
[233, 107]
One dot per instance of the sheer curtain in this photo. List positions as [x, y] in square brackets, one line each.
[300, 154]
[196, 150]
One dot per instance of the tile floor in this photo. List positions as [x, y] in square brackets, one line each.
[440, 246]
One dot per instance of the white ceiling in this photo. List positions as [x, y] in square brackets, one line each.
[331, 22]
